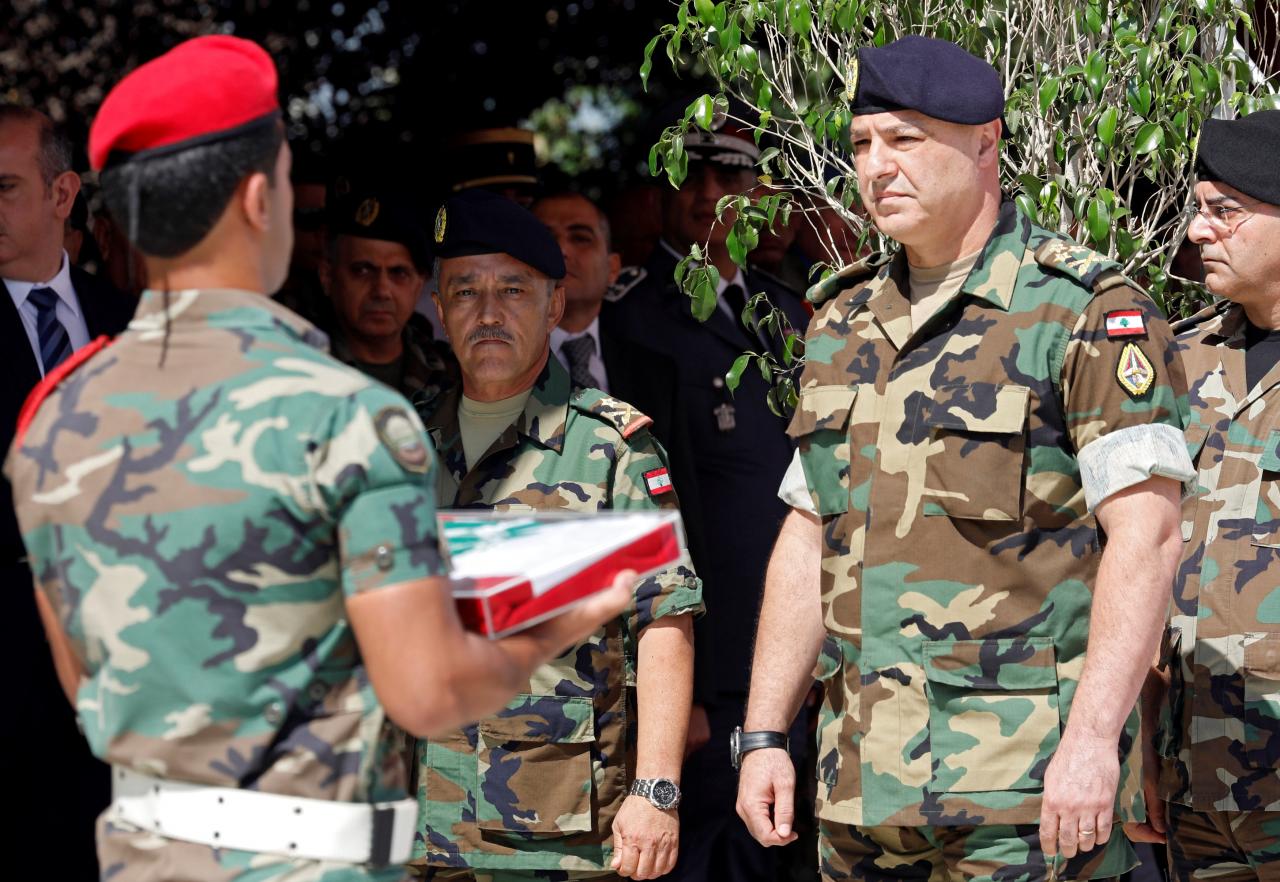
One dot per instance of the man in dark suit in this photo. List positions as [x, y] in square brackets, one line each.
[51, 309]
[599, 358]
[740, 453]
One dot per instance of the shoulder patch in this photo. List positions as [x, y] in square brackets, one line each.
[402, 438]
[622, 416]
[628, 278]
[45, 387]
[846, 277]
[1088, 267]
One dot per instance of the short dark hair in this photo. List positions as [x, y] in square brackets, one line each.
[54, 151]
[606, 230]
[180, 196]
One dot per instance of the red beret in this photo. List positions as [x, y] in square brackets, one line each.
[200, 91]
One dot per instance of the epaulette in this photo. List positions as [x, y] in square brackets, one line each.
[1086, 266]
[1214, 310]
[622, 416]
[50, 382]
[628, 278]
[847, 277]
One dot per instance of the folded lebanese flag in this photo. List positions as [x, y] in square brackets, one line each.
[512, 571]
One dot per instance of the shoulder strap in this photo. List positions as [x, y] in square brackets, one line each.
[622, 416]
[1088, 267]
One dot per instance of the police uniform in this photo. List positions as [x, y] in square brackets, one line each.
[955, 464]
[1219, 732]
[426, 366]
[197, 500]
[531, 792]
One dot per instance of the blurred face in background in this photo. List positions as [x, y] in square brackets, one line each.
[582, 234]
[374, 287]
[689, 214]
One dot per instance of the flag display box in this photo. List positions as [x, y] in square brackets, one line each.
[512, 570]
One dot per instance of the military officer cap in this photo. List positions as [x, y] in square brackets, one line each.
[493, 158]
[935, 77]
[481, 222]
[204, 90]
[726, 144]
[374, 214]
[1241, 153]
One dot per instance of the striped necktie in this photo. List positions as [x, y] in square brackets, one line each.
[55, 342]
[578, 350]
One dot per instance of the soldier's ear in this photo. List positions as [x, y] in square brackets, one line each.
[555, 311]
[615, 266]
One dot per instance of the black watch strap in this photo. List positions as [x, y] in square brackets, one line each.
[745, 742]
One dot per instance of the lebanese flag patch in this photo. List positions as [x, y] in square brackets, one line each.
[658, 482]
[1126, 323]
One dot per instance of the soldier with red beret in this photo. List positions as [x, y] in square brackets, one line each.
[233, 535]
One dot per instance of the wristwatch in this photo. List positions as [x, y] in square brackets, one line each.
[742, 743]
[662, 793]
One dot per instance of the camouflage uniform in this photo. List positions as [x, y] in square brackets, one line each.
[1219, 735]
[536, 786]
[427, 367]
[959, 545]
[197, 501]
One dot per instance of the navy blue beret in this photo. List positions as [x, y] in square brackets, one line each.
[482, 222]
[935, 77]
[370, 214]
[1242, 154]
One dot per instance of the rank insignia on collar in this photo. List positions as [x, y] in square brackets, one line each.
[851, 80]
[1126, 323]
[367, 213]
[1134, 371]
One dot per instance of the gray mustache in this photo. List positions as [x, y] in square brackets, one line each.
[489, 334]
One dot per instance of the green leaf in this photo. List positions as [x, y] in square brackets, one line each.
[734, 377]
[719, 15]
[1187, 39]
[800, 16]
[703, 294]
[846, 16]
[1028, 206]
[678, 168]
[737, 248]
[1199, 82]
[1140, 99]
[731, 37]
[1048, 93]
[1095, 74]
[647, 66]
[654, 160]
[1144, 61]
[748, 58]
[1150, 137]
[706, 11]
[764, 94]
[789, 349]
[702, 110]
[1093, 19]
[766, 157]
[1107, 125]
[1099, 220]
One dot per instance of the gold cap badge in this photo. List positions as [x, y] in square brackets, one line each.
[441, 221]
[367, 213]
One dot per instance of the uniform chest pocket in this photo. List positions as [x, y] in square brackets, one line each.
[821, 429]
[993, 713]
[973, 446]
[1266, 516]
[535, 770]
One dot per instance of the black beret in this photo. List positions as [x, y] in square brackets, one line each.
[482, 222]
[935, 77]
[373, 214]
[1242, 154]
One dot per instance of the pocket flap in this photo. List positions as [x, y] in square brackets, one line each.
[552, 719]
[1004, 663]
[822, 407]
[979, 407]
[1270, 460]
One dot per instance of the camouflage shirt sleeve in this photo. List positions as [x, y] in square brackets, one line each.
[373, 470]
[1124, 395]
[672, 592]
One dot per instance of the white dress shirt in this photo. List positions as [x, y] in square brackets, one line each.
[558, 337]
[68, 309]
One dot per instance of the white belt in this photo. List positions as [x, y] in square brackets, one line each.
[380, 834]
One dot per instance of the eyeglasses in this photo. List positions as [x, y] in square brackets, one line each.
[1221, 218]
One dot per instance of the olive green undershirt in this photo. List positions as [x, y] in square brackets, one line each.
[933, 286]
[481, 422]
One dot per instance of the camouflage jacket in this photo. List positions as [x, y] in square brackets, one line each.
[537, 785]
[196, 503]
[1220, 730]
[427, 366]
[959, 551]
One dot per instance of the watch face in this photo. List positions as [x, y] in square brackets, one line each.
[665, 793]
